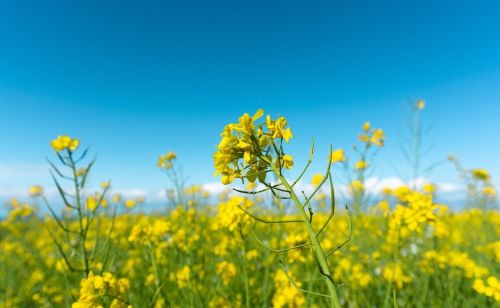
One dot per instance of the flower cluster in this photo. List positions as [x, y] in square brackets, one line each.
[226, 270]
[357, 275]
[191, 258]
[165, 161]
[420, 104]
[19, 209]
[413, 211]
[94, 201]
[394, 273]
[372, 136]
[490, 288]
[338, 156]
[96, 290]
[286, 294]
[35, 191]
[245, 147]
[480, 174]
[147, 232]
[62, 143]
[182, 277]
[229, 216]
[453, 259]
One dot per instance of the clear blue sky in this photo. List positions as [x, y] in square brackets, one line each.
[136, 79]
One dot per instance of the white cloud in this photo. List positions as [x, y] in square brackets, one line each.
[450, 187]
[134, 192]
[214, 187]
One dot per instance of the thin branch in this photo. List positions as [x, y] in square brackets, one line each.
[259, 241]
[61, 159]
[327, 174]
[348, 237]
[307, 165]
[332, 210]
[251, 192]
[61, 191]
[275, 187]
[297, 287]
[107, 243]
[82, 156]
[57, 170]
[59, 222]
[266, 221]
[61, 251]
[87, 171]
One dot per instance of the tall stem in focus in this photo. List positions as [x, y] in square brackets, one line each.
[317, 249]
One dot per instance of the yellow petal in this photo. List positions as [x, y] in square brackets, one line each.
[258, 114]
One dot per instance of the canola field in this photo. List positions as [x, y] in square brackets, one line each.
[264, 242]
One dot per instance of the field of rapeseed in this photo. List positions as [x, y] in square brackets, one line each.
[265, 242]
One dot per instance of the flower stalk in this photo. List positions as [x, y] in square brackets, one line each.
[249, 151]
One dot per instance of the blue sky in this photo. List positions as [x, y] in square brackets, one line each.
[136, 79]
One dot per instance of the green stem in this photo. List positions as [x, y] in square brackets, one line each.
[245, 273]
[82, 233]
[316, 247]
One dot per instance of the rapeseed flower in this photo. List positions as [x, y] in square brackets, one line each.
[480, 174]
[361, 165]
[420, 104]
[62, 143]
[35, 191]
[166, 161]
[316, 179]
[243, 151]
[394, 273]
[337, 156]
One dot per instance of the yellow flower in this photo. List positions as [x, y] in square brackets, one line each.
[35, 191]
[95, 289]
[384, 206]
[361, 165]
[94, 201]
[386, 190]
[364, 138]
[240, 152]
[480, 174]
[491, 288]
[116, 198]
[130, 203]
[62, 143]
[286, 294]
[183, 276]
[250, 186]
[394, 273]
[287, 161]
[356, 186]
[226, 270]
[230, 216]
[378, 138]
[366, 126]
[252, 254]
[420, 104]
[165, 161]
[337, 156]
[429, 188]
[316, 179]
[91, 203]
[277, 128]
[479, 286]
[489, 191]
